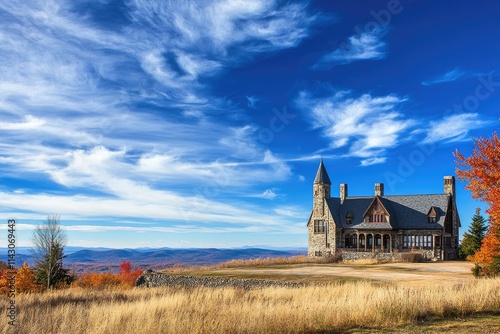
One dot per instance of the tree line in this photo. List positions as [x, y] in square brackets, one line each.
[49, 240]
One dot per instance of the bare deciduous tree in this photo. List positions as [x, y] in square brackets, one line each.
[49, 240]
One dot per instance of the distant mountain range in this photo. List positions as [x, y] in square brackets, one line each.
[80, 259]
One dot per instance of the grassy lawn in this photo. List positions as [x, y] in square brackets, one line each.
[479, 323]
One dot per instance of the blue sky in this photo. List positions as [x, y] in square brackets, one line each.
[201, 124]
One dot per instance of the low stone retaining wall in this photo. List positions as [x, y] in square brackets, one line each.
[350, 256]
[150, 279]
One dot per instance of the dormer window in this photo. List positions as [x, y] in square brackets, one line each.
[432, 216]
[349, 218]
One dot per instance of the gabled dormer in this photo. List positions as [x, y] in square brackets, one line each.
[432, 216]
[376, 212]
[349, 218]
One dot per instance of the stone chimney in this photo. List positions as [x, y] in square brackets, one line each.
[379, 189]
[449, 185]
[343, 192]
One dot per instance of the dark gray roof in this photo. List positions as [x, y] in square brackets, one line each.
[322, 175]
[406, 212]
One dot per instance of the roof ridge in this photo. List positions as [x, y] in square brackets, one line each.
[386, 196]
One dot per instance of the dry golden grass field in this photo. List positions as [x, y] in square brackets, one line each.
[400, 300]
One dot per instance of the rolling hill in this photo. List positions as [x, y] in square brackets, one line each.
[110, 259]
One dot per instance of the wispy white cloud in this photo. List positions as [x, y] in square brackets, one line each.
[29, 123]
[373, 161]
[166, 209]
[252, 100]
[292, 211]
[267, 194]
[178, 229]
[450, 76]
[73, 93]
[362, 46]
[458, 74]
[453, 128]
[367, 125]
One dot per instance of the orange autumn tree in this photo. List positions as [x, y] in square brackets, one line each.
[482, 172]
[4, 281]
[25, 280]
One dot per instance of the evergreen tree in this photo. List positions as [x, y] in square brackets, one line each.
[50, 271]
[472, 240]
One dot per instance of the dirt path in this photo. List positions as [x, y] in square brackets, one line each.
[415, 273]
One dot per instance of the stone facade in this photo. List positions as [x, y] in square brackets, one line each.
[383, 224]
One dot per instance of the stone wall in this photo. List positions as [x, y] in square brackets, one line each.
[350, 256]
[150, 279]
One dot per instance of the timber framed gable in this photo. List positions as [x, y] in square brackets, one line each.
[376, 212]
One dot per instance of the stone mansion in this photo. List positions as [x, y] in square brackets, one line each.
[386, 224]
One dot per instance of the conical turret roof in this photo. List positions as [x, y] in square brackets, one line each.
[322, 175]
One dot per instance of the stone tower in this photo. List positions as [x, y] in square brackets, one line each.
[321, 226]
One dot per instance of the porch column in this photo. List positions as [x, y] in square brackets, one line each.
[357, 241]
[434, 245]
[373, 242]
[366, 241]
[390, 243]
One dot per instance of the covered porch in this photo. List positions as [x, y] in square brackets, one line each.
[369, 242]
[391, 240]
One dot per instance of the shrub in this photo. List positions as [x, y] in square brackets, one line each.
[97, 281]
[412, 257]
[476, 270]
[124, 280]
[334, 258]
